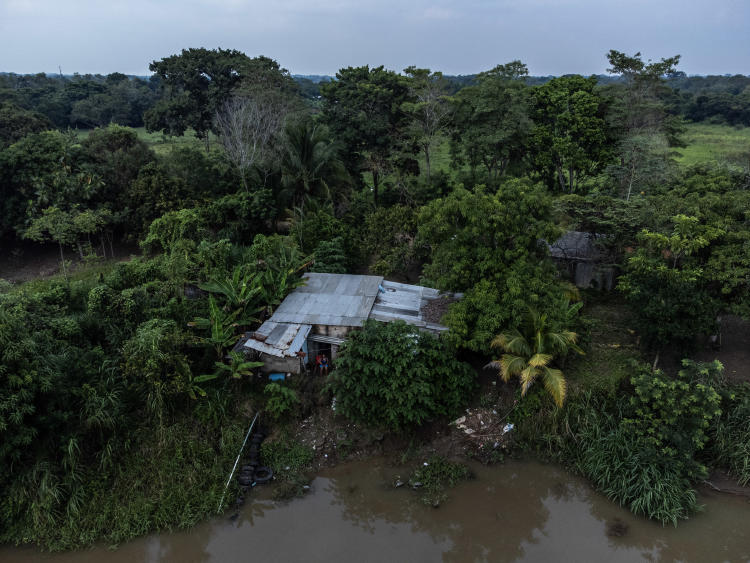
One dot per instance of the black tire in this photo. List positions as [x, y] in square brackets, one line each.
[257, 439]
[246, 480]
[249, 468]
[263, 475]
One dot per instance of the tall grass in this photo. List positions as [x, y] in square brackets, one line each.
[731, 440]
[587, 436]
[629, 473]
[170, 479]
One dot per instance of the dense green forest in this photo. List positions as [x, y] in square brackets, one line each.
[121, 404]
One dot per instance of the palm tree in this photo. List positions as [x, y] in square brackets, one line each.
[530, 352]
[309, 162]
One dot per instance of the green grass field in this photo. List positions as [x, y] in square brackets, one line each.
[722, 144]
[162, 144]
[707, 143]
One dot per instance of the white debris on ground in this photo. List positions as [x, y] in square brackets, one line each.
[482, 424]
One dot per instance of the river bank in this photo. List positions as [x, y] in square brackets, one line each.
[515, 511]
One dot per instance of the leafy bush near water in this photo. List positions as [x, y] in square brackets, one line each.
[172, 479]
[624, 468]
[643, 450]
[670, 416]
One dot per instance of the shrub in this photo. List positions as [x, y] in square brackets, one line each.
[289, 461]
[393, 375]
[281, 400]
[286, 455]
[670, 416]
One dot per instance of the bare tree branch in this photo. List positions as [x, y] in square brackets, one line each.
[247, 128]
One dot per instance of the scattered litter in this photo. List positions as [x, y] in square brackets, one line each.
[483, 424]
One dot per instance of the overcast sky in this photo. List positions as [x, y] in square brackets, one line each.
[321, 36]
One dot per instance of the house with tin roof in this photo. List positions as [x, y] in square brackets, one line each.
[316, 317]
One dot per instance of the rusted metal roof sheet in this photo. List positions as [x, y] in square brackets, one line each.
[405, 302]
[281, 339]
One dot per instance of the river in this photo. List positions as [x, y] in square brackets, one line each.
[517, 511]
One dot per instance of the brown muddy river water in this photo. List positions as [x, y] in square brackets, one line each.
[518, 511]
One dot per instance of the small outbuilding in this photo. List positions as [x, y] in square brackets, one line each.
[583, 256]
[316, 317]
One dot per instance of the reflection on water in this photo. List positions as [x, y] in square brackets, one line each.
[513, 512]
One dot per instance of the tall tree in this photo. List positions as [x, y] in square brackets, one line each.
[570, 136]
[310, 163]
[429, 111]
[640, 106]
[248, 126]
[492, 121]
[639, 117]
[487, 244]
[198, 82]
[362, 108]
[16, 123]
[667, 286]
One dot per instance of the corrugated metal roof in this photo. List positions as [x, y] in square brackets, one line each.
[281, 339]
[404, 302]
[330, 299]
[576, 245]
[340, 300]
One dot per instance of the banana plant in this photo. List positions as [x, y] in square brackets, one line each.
[222, 326]
[237, 368]
[242, 291]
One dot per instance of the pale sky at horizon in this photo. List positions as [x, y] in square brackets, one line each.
[319, 37]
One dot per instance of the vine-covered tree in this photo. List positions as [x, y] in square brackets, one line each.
[488, 245]
[667, 286]
[392, 375]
